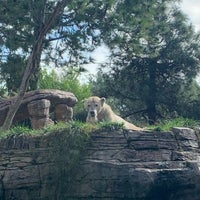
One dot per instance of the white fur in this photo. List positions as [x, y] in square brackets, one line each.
[99, 111]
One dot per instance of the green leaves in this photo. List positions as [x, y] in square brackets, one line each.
[77, 31]
[68, 81]
[154, 52]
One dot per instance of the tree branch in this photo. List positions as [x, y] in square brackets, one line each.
[133, 113]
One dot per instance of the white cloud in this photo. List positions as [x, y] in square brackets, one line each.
[192, 9]
[100, 56]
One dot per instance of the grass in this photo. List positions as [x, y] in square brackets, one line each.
[87, 128]
[74, 126]
[167, 125]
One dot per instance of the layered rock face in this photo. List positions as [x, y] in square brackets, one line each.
[37, 167]
[116, 165]
[140, 165]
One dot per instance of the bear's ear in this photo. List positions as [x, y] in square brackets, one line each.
[84, 101]
[103, 100]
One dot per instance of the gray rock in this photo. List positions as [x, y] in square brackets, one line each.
[139, 165]
[39, 113]
[116, 165]
[54, 97]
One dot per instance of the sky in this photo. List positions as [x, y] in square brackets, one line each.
[190, 7]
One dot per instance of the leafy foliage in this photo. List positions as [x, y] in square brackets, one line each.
[152, 59]
[78, 30]
[12, 72]
[67, 81]
[155, 54]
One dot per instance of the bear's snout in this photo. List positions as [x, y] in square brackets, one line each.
[92, 113]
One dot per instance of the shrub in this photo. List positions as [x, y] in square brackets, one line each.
[67, 82]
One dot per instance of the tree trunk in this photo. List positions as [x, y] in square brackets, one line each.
[38, 15]
[33, 62]
[151, 112]
[151, 100]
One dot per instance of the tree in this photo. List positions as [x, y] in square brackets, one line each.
[75, 32]
[152, 57]
[32, 64]
[189, 100]
[11, 73]
[43, 22]
[18, 35]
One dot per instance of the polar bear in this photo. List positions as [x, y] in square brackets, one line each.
[99, 111]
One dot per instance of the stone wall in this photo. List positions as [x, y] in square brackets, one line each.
[140, 165]
[34, 167]
[116, 165]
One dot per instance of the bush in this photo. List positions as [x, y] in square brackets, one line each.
[67, 82]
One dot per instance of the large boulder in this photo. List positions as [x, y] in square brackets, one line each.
[39, 113]
[53, 98]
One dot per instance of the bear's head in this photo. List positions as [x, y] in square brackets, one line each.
[93, 105]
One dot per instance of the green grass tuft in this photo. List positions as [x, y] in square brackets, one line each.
[110, 126]
[74, 126]
[167, 125]
[87, 128]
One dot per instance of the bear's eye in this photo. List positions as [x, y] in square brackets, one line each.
[96, 105]
[88, 105]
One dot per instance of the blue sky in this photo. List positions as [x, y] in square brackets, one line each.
[190, 7]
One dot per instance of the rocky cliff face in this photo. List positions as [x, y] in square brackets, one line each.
[35, 167]
[140, 165]
[116, 165]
